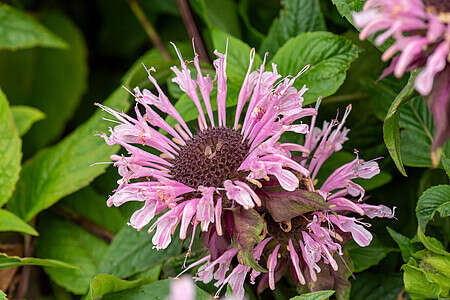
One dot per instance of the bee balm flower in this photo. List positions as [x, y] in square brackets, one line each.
[421, 32]
[199, 176]
[301, 230]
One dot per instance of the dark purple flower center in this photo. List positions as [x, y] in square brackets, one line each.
[437, 6]
[209, 158]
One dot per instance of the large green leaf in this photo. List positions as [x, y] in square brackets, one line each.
[10, 154]
[89, 204]
[221, 14]
[320, 295]
[64, 168]
[238, 57]
[3, 296]
[446, 163]
[158, 290]
[416, 138]
[376, 286]
[19, 31]
[434, 199]
[431, 243]
[137, 75]
[296, 16]
[25, 117]
[404, 243]
[391, 128]
[67, 242]
[15, 261]
[366, 257]
[418, 284]
[132, 252]
[11, 222]
[253, 35]
[414, 120]
[329, 56]
[52, 80]
[103, 284]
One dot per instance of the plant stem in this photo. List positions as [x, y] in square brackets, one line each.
[85, 223]
[192, 30]
[26, 270]
[148, 27]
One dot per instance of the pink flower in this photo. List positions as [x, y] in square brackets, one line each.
[421, 32]
[304, 228]
[184, 288]
[255, 200]
[198, 175]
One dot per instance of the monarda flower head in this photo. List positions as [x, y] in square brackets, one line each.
[421, 32]
[200, 176]
[302, 230]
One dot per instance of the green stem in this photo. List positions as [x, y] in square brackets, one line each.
[148, 27]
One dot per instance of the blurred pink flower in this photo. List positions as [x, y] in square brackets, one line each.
[184, 289]
[421, 33]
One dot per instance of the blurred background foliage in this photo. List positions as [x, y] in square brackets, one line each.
[59, 57]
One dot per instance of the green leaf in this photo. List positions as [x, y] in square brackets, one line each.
[88, 203]
[52, 80]
[431, 243]
[446, 164]
[67, 242]
[158, 290]
[103, 284]
[417, 283]
[391, 128]
[296, 16]
[320, 295]
[137, 75]
[64, 168]
[347, 7]
[25, 117]
[11, 222]
[15, 261]
[221, 14]
[382, 92]
[431, 177]
[439, 263]
[3, 296]
[403, 242]
[366, 257]
[434, 199]
[10, 154]
[284, 206]
[329, 55]
[238, 56]
[19, 31]
[376, 286]
[253, 36]
[249, 226]
[132, 252]
[415, 140]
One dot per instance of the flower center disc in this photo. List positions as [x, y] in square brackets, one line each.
[209, 158]
[440, 8]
